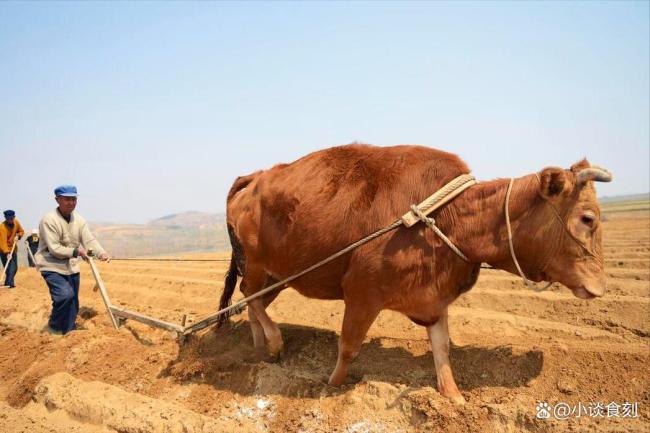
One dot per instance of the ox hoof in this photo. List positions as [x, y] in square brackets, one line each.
[458, 399]
[453, 395]
[335, 384]
[275, 350]
[275, 353]
[336, 380]
[274, 357]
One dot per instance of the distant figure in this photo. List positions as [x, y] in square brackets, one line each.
[65, 239]
[9, 229]
[32, 244]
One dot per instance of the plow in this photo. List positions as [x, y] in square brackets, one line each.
[118, 316]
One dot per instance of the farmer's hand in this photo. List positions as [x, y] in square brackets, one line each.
[81, 252]
[9, 256]
[104, 257]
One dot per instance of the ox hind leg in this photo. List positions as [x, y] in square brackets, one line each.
[259, 340]
[357, 318]
[252, 282]
[439, 337]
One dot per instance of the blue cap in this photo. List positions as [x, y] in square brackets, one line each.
[9, 213]
[66, 191]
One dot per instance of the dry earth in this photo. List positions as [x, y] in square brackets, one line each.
[512, 348]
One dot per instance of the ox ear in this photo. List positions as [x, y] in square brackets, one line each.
[580, 165]
[554, 181]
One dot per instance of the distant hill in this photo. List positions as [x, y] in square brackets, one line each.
[630, 197]
[170, 234]
[190, 219]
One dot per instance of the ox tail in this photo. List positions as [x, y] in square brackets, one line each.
[237, 259]
[236, 269]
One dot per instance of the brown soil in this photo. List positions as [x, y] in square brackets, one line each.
[512, 348]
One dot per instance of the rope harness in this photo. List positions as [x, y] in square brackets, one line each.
[531, 285]
[431, 223]
[445, 194]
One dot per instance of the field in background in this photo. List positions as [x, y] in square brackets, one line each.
[626, 208]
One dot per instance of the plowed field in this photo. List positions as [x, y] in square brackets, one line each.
[511, 350]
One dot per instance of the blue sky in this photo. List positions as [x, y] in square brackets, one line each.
[154, 108]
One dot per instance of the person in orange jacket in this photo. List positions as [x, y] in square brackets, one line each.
[9, 229]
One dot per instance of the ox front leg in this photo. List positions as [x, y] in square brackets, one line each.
[439, 337]
[357, 319]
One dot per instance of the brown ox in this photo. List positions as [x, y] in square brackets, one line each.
[291, 216]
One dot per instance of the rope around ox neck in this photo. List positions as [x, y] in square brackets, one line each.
[431, 223]
[531, 285]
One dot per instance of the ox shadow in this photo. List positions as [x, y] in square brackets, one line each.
[226, 359]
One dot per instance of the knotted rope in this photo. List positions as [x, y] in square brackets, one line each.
[431, 223]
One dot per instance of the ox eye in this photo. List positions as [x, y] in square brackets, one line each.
[588, 220]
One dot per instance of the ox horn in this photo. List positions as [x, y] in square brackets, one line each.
[595, 173]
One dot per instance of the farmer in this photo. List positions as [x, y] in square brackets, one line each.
[65, 241]
[9, 229]
[32, 244]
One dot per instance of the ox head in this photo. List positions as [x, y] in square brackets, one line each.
[567, 229]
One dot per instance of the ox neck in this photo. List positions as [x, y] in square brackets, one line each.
[481, 211]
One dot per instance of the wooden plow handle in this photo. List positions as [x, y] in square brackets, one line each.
[102, 290]
[4, 270]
